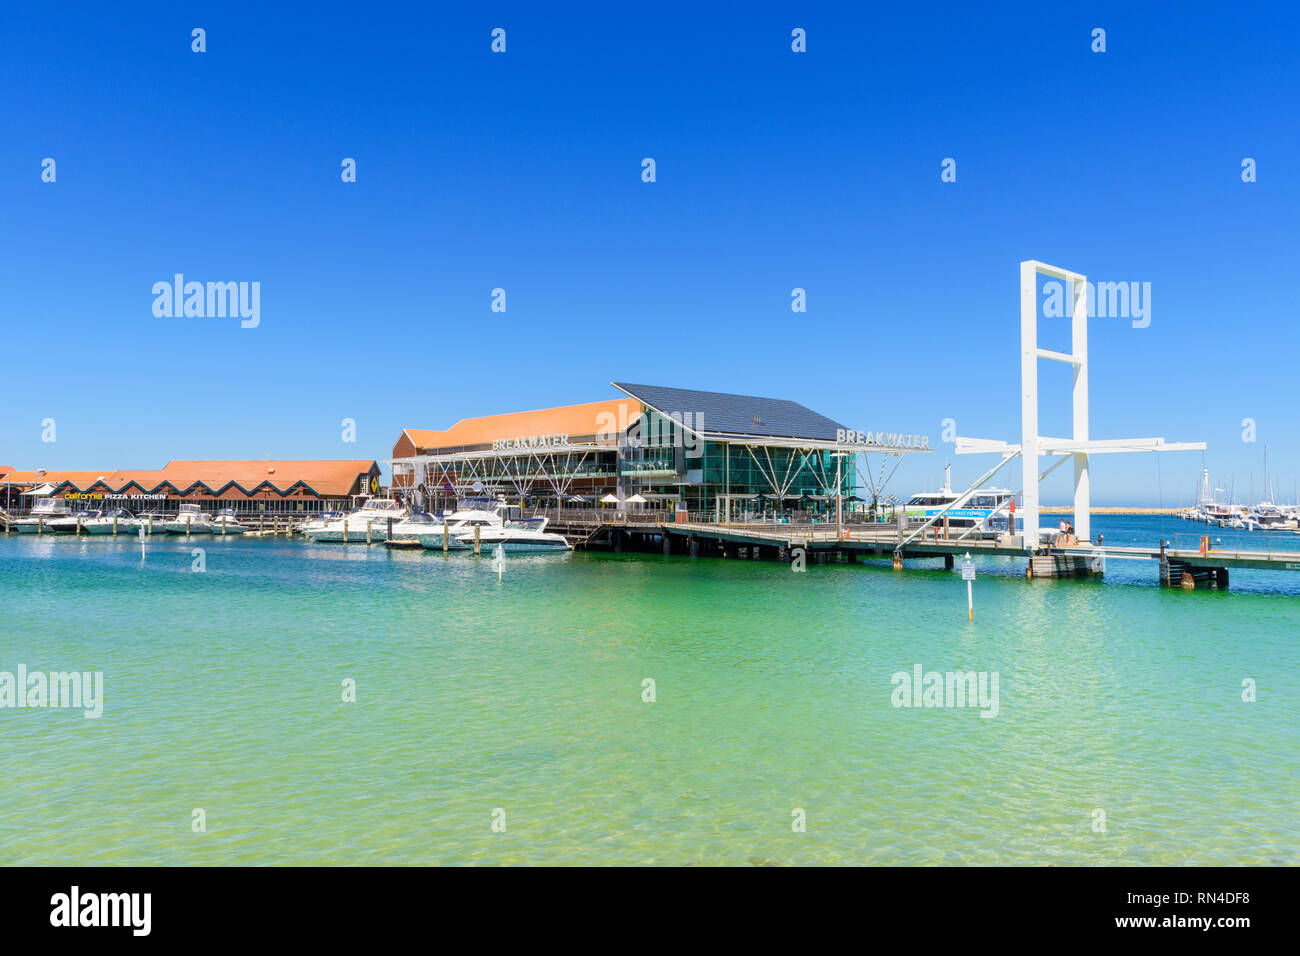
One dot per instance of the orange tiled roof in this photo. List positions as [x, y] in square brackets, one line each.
[52, 476]
[323, 477]
[423, 437]
[572, 420]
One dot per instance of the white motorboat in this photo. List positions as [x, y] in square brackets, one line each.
[43, 512]
[191, 519]
[372, 516]
[226, 521]
[152, 523]
[117, 520]
[483, 513]
[67, 524]
[319, 522]
[525, 534]
[405, 531]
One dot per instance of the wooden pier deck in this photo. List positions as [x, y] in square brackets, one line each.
[1202, 566]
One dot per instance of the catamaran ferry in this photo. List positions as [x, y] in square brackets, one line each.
[984, 509]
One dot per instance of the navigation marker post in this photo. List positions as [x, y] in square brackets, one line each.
[968, 575]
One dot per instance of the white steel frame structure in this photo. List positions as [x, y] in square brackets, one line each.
[517, 471]
[1034, 446]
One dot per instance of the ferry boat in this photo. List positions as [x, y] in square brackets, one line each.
[525, 534]
[985, 509]
[43, 512]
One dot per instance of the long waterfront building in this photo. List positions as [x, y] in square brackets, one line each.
[678, 449]
[249, 486]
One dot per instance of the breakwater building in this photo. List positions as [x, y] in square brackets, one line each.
[649, 447]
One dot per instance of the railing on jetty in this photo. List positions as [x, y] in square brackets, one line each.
[264, 525]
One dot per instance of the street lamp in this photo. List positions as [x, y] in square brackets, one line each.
[839, 488]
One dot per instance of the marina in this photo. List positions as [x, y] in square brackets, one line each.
[1181, 560]
[694, 472]
[852, 472]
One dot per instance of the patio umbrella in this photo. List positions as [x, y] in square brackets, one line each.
[609, 499]
[636, 500]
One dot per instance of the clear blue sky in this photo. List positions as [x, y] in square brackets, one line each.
[775, 170]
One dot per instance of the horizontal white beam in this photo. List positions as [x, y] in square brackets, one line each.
[1068, 446]
[1055, 271]
[1057, 357]
[984, 446]
[1113, 446]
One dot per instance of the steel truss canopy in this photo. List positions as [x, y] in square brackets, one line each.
[1033, 445]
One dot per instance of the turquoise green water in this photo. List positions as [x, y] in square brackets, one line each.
[223, 692]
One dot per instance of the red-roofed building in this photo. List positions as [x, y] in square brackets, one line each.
[248, 486]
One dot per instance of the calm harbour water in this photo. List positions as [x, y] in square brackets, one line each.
[223, 691]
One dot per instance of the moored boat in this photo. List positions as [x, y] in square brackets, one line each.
[43, 512]
[524, 534]
[115, 521]
[191, 519]
[371, 517]
[483, 513]
[226, 521]
[76, 520]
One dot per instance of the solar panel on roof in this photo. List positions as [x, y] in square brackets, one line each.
[726, 414]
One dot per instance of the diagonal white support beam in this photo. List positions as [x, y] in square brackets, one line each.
[957, 502]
